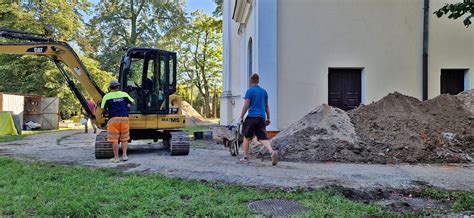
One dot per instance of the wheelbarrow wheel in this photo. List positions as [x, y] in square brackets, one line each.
[234, 148]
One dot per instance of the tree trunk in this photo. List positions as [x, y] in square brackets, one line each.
[133, 20]
[190, 88]
[215, 100]
[207, 105]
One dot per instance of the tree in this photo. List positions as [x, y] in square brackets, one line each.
[124, 23]
[457, 10]
[200, 57]
[219, 8]
[59, 19]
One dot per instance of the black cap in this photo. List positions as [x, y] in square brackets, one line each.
[114, 84]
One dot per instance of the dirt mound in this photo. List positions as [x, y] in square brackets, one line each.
[192, 116]
[467, 97]
[325, 134]
[404, 129]
[395, 129]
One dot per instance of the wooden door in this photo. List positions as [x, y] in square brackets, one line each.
[452, 81]
[50, 113]
[344, 88]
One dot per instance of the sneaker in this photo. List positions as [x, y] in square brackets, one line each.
[125, 158]
[115, 160]
[244, 160]
[274, 158]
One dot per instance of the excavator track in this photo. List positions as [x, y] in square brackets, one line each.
[103, 149]
[178, 143]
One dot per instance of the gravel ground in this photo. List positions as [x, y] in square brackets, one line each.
[75, 147]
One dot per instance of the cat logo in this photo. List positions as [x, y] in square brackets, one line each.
[171, 120]
[40, 49]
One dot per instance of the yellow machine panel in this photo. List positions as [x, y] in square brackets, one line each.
[158, 122]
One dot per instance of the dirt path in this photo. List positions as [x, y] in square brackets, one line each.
[75, 147]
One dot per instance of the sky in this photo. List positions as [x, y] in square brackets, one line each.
[207, 6]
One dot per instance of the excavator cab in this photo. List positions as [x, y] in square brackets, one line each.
[148, 75]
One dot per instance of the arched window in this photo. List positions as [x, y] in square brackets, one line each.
[250, 58]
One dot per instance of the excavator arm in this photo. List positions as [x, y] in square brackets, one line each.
[61, 54]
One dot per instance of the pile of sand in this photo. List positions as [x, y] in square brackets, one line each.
[396, 129]
[192, 116]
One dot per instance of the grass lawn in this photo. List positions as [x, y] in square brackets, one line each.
[24, 133]
[43, 189]
[462, 201]
[195, 128]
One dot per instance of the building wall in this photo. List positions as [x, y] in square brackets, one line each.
[259, 27]
[231, 77]
[267, 54]
[237, 63]
[14, 104]
[384, 38]
[451, 45]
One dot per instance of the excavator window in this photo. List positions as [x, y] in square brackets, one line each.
[148, 75]
[134, 82]
[153, 90]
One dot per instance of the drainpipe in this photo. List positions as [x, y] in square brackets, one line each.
[426, 7]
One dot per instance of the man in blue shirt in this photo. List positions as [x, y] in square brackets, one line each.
[258, 117]
[117, 102]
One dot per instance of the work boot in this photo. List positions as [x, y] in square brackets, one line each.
[244, 160]
[274, 158]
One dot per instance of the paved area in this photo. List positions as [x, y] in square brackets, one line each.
[216, 164]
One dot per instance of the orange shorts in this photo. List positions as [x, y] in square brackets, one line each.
[118, 129]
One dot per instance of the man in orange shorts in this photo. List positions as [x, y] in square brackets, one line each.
[117, 102]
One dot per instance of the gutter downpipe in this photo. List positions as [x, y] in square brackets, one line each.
[426, 7]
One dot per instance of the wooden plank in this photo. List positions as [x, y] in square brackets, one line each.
[1, 102]
[50, 113]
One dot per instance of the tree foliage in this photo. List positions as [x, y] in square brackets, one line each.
[199, 46]
[219, 8]
[59, 19]
[114, 24]
[457, 10]
[125, 23]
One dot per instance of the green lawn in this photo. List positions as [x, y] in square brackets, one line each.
[462, 201]
[43, 189]
[195, 128]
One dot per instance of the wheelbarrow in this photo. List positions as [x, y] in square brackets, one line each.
[233, 139]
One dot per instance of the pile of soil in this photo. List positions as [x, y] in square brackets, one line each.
[192, 116]
[325, 134]
[395, 129]
[467, 98]
[404, 129]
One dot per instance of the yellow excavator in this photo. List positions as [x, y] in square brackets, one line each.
[148, 75]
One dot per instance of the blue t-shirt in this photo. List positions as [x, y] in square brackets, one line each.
[116, 103]
[258, 101]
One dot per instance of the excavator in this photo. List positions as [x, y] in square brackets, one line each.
[148, 75]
